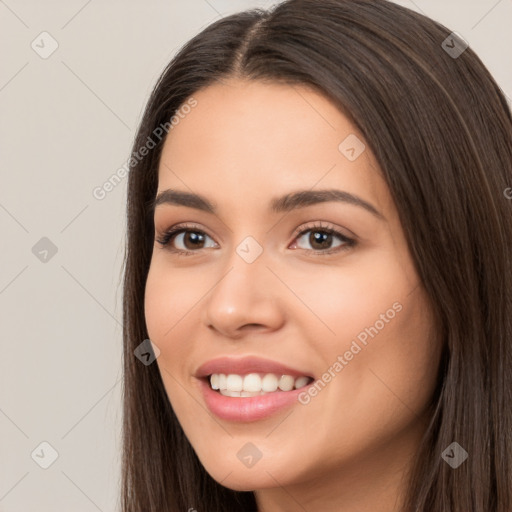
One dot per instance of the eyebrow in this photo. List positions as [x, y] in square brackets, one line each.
[286, 203]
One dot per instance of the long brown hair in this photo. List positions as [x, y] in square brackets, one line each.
[441, 130]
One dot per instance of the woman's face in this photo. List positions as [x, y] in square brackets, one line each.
[263, 290]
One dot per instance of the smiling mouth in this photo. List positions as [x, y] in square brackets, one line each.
[255, 384]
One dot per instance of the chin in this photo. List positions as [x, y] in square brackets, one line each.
[246, 479]
[250, 483]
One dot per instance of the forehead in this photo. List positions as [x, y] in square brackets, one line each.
[236, 117]
[250, 139]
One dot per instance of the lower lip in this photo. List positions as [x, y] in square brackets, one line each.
[246, 409]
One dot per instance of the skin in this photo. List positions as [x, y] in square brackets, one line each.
[349, 448]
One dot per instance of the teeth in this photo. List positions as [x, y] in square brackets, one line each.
[286, 383]
[225, 392]
[301, 381]
[254, 384]
[269, 383]
[234, 382]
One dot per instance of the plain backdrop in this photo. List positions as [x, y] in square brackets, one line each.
[67, 123]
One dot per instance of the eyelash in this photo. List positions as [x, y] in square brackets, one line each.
[169, 235]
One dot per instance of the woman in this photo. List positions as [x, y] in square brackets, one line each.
[319, 249]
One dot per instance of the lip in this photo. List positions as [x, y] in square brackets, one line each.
[245, 365]
[247, 409]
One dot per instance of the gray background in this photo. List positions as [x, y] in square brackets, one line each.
[67, 123]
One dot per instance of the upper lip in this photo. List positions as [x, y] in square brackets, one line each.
[245, 365]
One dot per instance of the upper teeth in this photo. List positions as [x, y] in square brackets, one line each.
[255, 382]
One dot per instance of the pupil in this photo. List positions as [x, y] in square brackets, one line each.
[193, 237]
[320, 238]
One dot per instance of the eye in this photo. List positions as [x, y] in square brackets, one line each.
[321, 239]
[187, 238]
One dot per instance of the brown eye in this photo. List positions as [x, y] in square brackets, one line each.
[192, 239]
[185, 240]
[322, 239]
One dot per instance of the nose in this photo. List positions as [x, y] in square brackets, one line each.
[247, 297]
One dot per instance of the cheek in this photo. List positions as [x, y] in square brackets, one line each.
[346, 303]
[378, 320]
[167, 300]
[168, 305]
[389, 361]
[157, 299]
